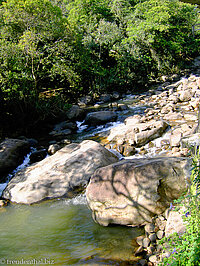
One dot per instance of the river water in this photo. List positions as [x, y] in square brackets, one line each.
[62, 232]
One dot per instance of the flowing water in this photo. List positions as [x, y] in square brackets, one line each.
[62, 232]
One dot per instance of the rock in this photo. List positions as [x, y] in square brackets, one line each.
[160, 234]
[153, 259]
[173, 116]
[149, 228]
[64, 128]
[174, 224]
[53, 148]
[37, 156]
[150, 249]
[76, 113]
[3, 203]
[137, 134]
[131, 192]
[105, 98]
[146, 242]
[186, 95]
[152, 237]
[142, 262]
[191, 141]
[60, 174]
[100, 117]
[84, 101]
[190, 117]
[139, 240]
[139, 251]
[175, 138]
[12, 152]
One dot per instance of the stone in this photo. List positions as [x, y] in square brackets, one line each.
[132, 191]
[153, 258]
[139, 240]
[160, 234]
[152, 237]
[175, 139]
[174, 224]
[139, 251]
[75, 113]
[63, 128]
[190, 117]
[173, 116]
[3, 203]
[191, 141]
[38, 155]
[146, 242]
[12, 152]
[59, 175]
[100, 117]
[53, 148]
[150, 249]
[142, 262]
[186, 95]
[149, 228]
[137, 134]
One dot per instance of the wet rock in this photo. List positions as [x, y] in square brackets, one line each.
[12, 152]
[143, 262]
[130, 192]
[63, 128]
[76, 113]
[58, 175]
[100, 117]
[37, 156]
[84, 101]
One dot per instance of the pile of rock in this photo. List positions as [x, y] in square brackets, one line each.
[161, 226]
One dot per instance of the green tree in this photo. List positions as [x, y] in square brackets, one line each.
[163, 28]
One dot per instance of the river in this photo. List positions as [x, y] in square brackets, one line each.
[62, 232]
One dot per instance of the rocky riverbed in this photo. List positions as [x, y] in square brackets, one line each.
[135, 170]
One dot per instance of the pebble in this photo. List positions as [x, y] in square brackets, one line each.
[160, 234]
[149, 228]
[146, 241]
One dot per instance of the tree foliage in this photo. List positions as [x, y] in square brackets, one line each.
[87, 46]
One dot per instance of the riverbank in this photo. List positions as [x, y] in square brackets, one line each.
[175, 103]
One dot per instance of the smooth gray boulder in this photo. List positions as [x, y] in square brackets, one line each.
[100, 117]
[59, 175]
[131, 192]
[12, 152]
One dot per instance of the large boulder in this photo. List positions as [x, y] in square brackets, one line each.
[12, 152]
[137, 134]
[59, 175]
[131, 192]
[100, 117]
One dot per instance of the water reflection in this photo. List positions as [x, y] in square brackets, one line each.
[63, 231]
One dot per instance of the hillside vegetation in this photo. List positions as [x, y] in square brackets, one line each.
[80, 47]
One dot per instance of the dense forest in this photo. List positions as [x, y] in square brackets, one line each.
[72, 48]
